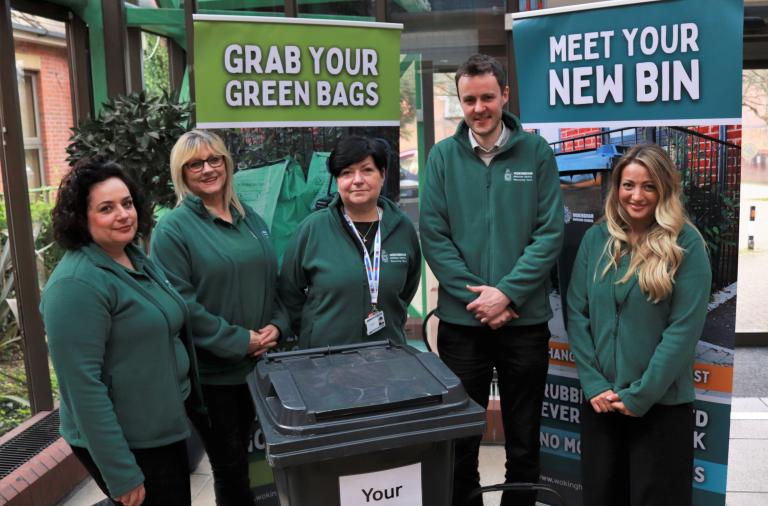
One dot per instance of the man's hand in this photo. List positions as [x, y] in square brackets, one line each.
[619, 406]
[133, 497]
[491, 307]
[502, 319]
[600, 402]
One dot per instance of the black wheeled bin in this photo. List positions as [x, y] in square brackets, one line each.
[584, 181]
[362, 424]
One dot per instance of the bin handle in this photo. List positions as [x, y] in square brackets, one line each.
[424, 329]
[324, 350]
[518, 487]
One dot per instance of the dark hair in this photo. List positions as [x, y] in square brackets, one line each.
[479, 64]
[357, 148]
[70, 215]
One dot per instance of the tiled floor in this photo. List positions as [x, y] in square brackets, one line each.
[747, 464]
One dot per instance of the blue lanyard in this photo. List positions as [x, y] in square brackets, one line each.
[372, 270]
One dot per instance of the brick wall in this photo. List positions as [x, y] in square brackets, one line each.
[579, 144]
[55, 106]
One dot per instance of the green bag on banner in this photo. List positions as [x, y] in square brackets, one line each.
[260, 187]
[318, 177]
[293, 205]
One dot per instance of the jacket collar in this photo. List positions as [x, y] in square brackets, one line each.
[100, 258]
[195, 203]
[390, 218]
[510, 121]
[615, 275]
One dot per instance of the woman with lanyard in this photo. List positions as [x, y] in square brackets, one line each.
[350, 270]
[218, 255]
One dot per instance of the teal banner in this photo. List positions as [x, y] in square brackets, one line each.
[641, 63]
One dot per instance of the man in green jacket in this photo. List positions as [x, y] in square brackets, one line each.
[491, 227]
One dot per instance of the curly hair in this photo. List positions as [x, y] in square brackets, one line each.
[70, 214]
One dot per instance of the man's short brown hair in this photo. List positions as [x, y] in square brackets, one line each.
[479, 64]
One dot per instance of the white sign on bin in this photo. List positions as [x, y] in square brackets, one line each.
[400, 486]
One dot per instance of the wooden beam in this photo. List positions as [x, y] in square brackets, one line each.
[23, 257]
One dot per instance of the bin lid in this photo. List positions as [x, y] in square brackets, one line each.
[347, 395]
[600, 159]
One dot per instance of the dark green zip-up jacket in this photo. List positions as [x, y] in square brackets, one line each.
[500, 225]
[642, 351]
[323, 281]
[114, 343]
[227, 273]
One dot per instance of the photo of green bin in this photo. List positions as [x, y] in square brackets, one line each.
[372, 423]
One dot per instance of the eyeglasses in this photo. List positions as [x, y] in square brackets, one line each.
[197, 165]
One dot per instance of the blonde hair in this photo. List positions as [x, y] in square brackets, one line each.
[186, 148]
[656, 256]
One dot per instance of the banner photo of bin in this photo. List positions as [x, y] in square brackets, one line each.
[282, 72]
[645, 62]
[650, 65]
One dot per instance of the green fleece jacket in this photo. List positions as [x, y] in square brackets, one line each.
[227, 273]
[113, 339]
[500, 225]
[323, 281]
[642, 351]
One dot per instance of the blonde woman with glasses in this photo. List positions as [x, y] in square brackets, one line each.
[217, 253]
[637, 302]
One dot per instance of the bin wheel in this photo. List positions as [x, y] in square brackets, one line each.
[424, 329]
[519, 487]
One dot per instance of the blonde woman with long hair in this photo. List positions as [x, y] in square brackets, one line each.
[216, 252]
[637, 302]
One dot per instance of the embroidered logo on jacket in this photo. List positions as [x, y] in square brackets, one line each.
[394, 258]
[522, 176]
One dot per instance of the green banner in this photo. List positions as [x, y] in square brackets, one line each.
[630, 63]
[280, 72]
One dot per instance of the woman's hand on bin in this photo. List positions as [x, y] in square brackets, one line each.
[133, 497]
[263, 339]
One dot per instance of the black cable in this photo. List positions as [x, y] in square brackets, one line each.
[518, 487]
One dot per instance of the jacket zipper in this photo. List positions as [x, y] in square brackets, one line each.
[488, 210]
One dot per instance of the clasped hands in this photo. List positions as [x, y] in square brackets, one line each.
[609, 401]
[263, 340]
[491, 306]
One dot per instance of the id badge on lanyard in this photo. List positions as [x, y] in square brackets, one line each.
[374, 322]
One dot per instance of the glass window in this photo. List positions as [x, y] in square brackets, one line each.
[27, 105]
[751, 315]
[30, 126]
[448, 112]
[155, 63]
[337, 10]
[34, 174]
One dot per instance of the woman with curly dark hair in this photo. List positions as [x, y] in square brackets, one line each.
[114, 323]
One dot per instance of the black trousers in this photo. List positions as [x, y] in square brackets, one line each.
[520, 356]
[643, 461]
[226, 438]
[166, 473]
